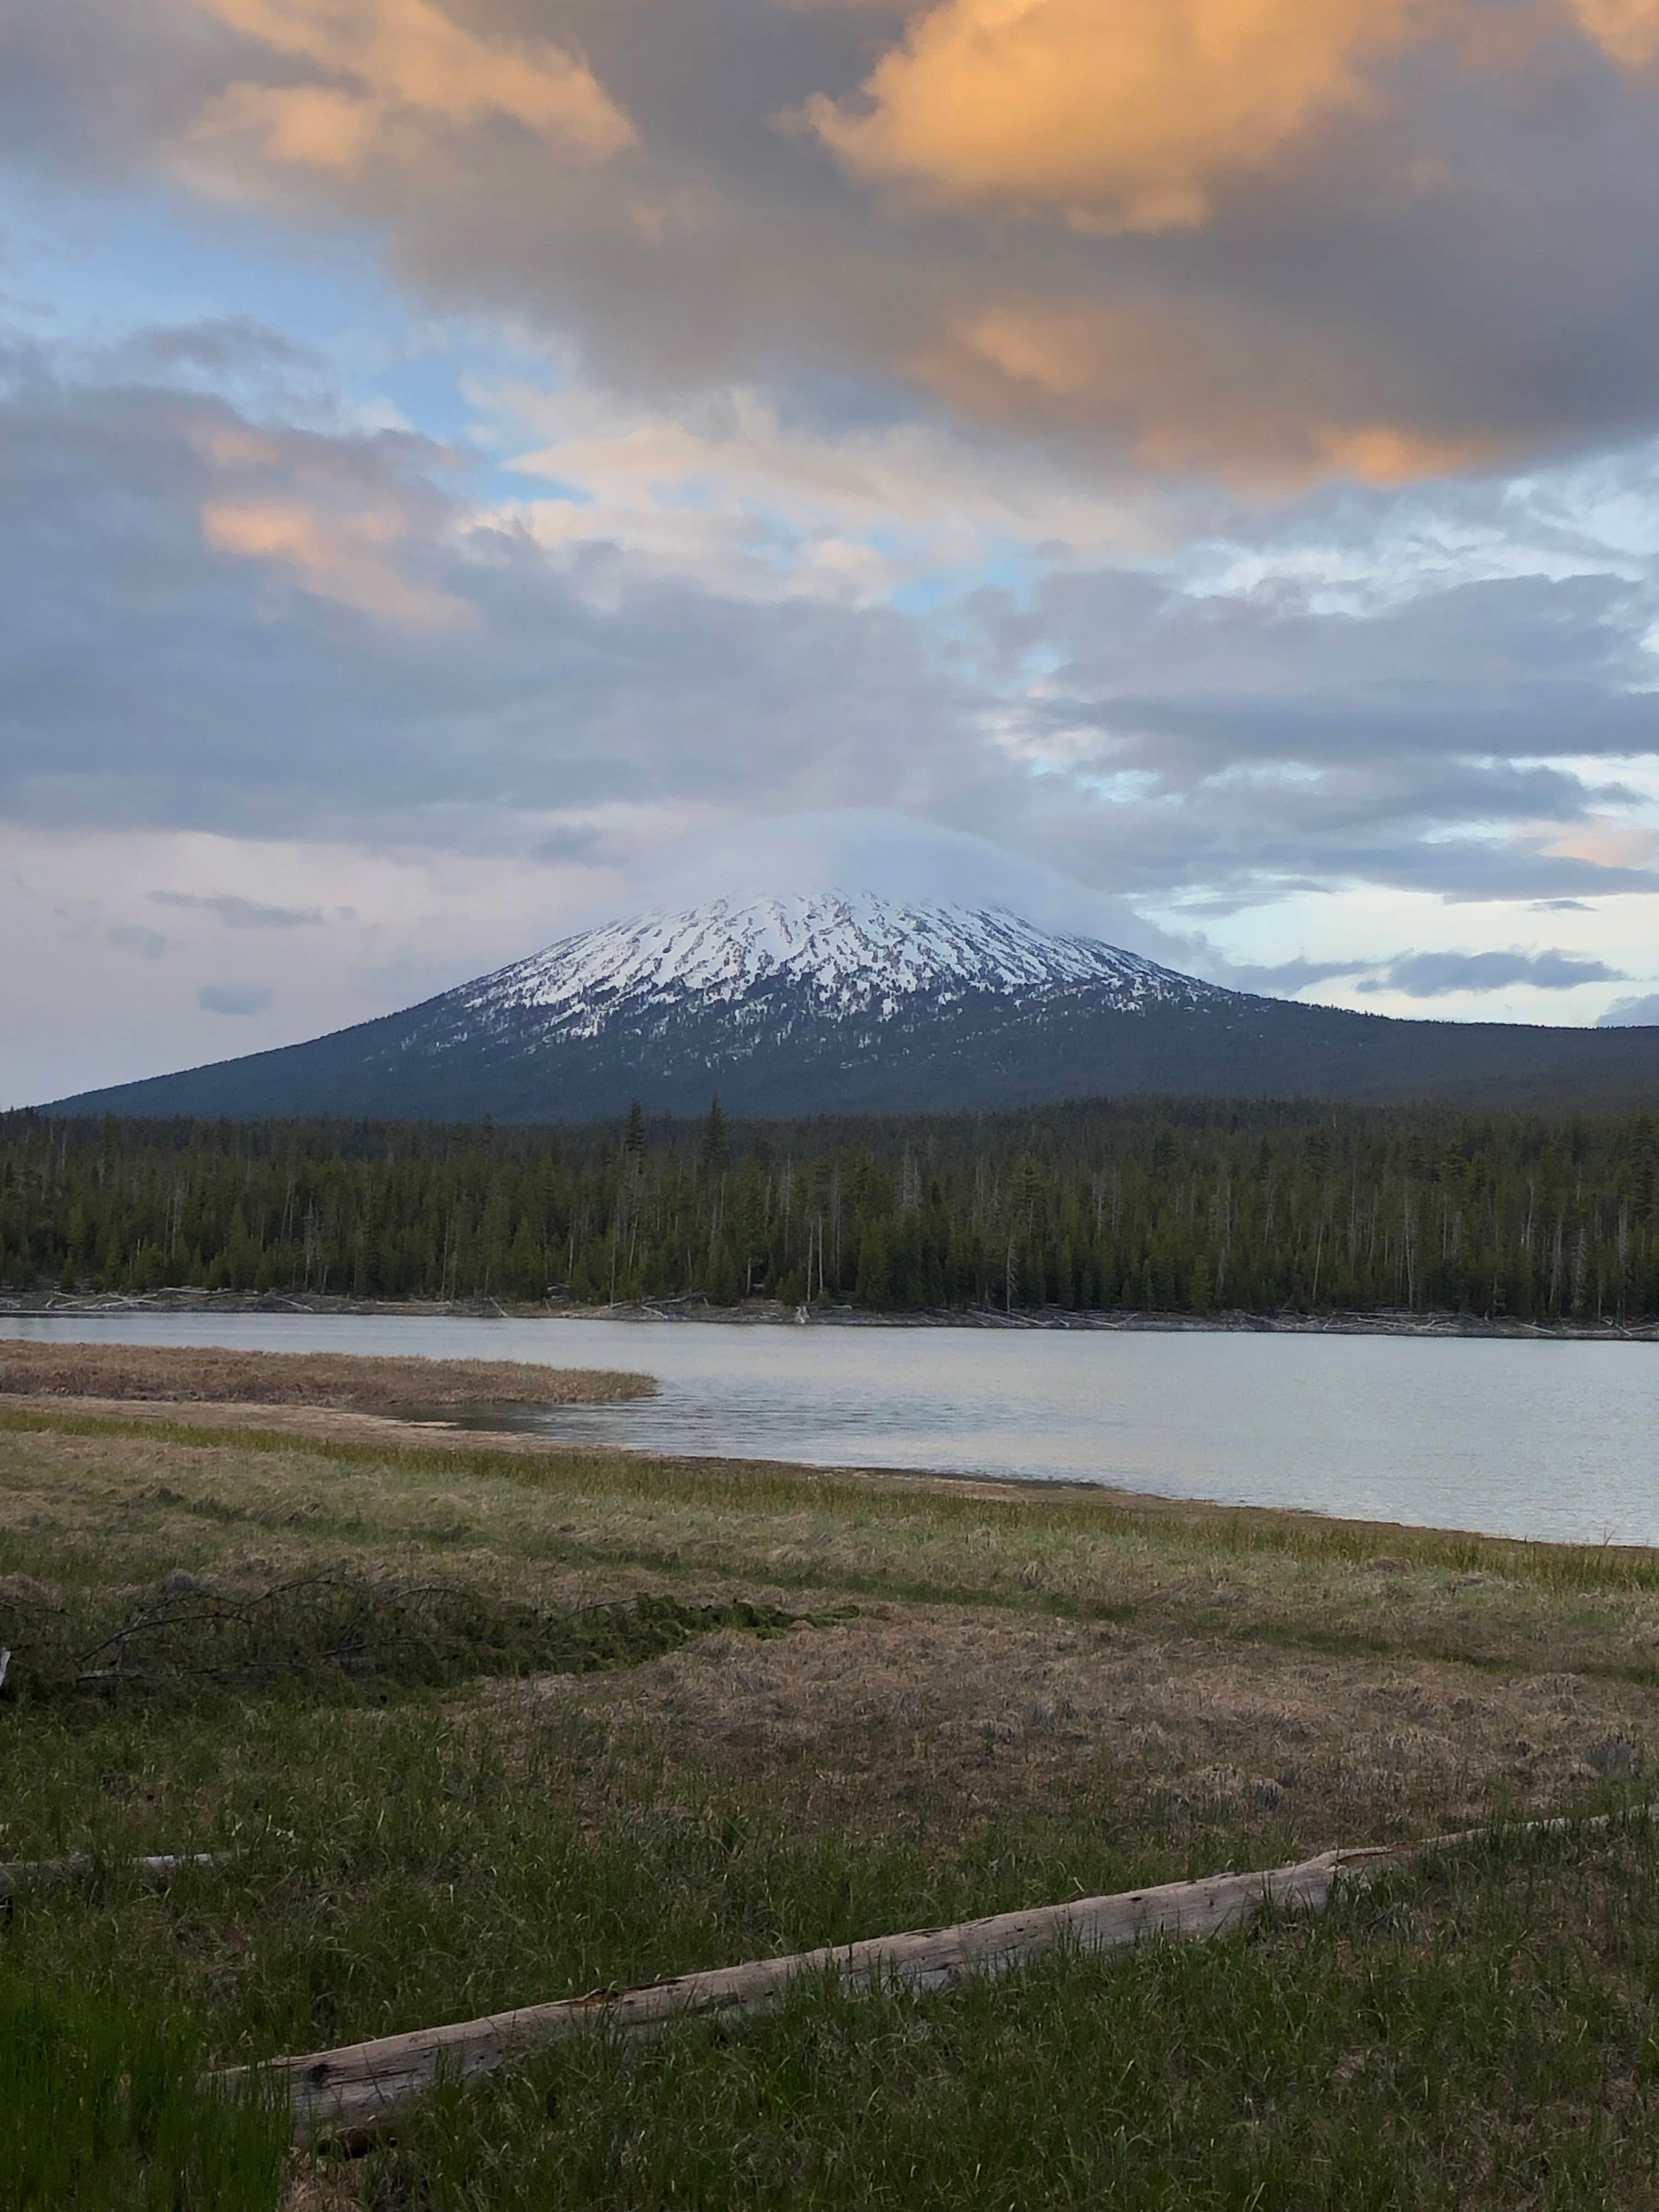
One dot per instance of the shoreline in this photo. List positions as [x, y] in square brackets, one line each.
[321, 1427]
[768, 1313]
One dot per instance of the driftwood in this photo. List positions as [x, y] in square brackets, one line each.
[351, 2095]
[80, 1866]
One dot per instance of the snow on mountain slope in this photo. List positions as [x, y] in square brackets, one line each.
[848, 953]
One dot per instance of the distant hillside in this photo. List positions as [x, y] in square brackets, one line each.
[855, 1004]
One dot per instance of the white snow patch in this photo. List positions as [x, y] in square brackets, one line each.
[852, 952]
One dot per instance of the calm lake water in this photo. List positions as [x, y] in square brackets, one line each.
[1535, 1439]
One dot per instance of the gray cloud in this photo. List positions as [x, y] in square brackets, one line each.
[1508, 669]
[395, 670]
[239, 625]
[234, 998]
[1461, 262]
[148, 942]
[1284, 978]
[1423, 974]
[240, 913]
[1260, 735]
[569, 842]
[1435, 975]
[1632, 1013]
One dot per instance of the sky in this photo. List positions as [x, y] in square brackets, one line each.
[473, 468]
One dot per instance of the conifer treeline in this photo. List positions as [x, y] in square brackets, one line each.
[1184, 1207]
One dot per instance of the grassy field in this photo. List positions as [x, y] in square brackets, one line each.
[467, 1727]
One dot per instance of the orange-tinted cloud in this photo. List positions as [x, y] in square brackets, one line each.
[1627, 31]
[350, 558]
[391, 74]
[1130, 115]
[1127, 114]
[1193, 390]
[1274, 237]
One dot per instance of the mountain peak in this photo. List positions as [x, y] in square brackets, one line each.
[848, 952]
[843, 1002]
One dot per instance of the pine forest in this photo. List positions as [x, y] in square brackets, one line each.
[1175, 1206]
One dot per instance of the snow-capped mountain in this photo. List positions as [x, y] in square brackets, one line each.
[844, 1003]
[848, 953]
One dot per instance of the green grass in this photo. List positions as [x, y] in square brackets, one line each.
[1484, 2036]
[107, 2108]
[341, 1628]
[438, 1837]
[392, 1879]
[383, 1870]
[1288, 1580]
[1058, 1510]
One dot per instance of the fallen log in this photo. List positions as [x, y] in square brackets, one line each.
[80, 1866]
[352, 2095]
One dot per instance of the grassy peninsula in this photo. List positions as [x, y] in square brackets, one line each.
[355, 1383]
[461, 1727]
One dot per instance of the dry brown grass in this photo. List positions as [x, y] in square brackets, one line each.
[948, 1719]
[1012, 1651]
[185, 1373]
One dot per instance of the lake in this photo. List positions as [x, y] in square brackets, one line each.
[1549, 1439]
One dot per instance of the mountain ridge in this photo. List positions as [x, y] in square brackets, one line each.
[841, 1002]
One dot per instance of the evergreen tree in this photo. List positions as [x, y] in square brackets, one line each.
[715, 1142]
[1185, 1206]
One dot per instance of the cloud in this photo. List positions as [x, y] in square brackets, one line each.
[569, 842]
[148, 942]
[1125, 118]
[294, 504]
[1632, 1013]
[1145, 740]
[232, 695]
[731, 490]
[1271, 239]
[391, 75]
[234, 998]
[1285, 978]
[1137, 116]
[1166, 382]
[342, 557]
[1627, 30]
[1437, 975]
[237, 913]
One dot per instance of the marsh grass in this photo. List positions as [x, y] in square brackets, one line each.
[1006, 1512]
[1037, 1697]
[190, 1634]
[107, 2109]
[1483, 2036]
[1232, 1577]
